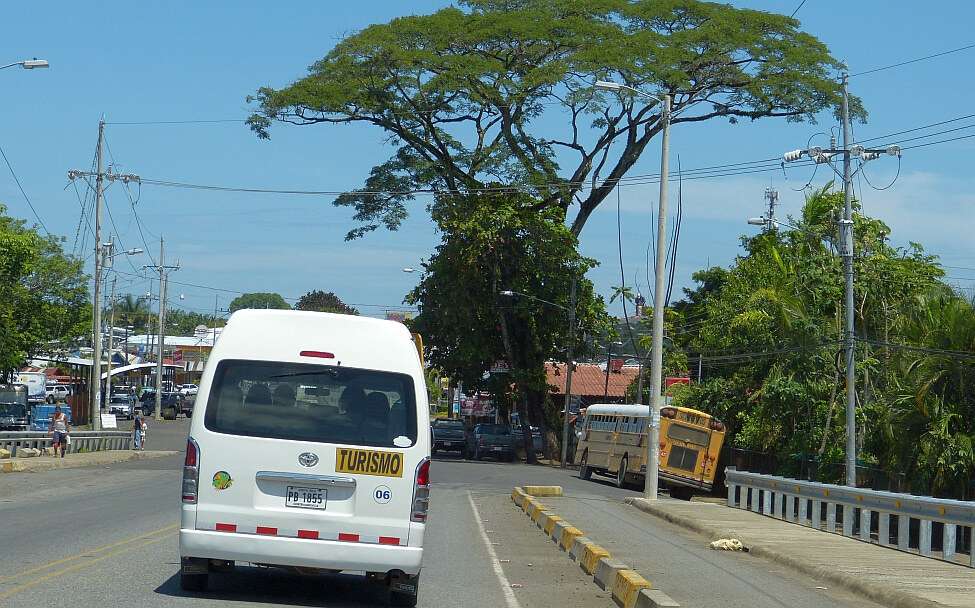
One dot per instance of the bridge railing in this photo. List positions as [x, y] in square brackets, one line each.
[933, 527]
[81, 441]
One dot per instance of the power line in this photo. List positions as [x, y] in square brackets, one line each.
[921, 128]
[957, 354]
[797, 8]
[177, 122]
[26, 198]
[910, 61]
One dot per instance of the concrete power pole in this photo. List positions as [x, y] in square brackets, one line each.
[848, 150]
[111, 336]
[161, 268]
[846, 244]
[772, 196]
[568, 372]
[95, 393]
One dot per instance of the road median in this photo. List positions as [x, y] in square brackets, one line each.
[38, 464]
[627, 587]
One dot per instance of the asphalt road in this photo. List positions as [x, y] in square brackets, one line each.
[105, 536]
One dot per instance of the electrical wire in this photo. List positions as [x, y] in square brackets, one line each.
[957, 354]
[863, 171]
[910, 61]
[797, 9]
[619, 241]
[23, 192]
[921, 128]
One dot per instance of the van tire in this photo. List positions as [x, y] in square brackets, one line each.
[621, 473]
[193, 582]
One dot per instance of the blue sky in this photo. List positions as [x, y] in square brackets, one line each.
[190, 61]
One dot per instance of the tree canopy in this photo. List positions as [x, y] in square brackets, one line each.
[258, 300]
[45, 303]
[321, 301]
[461, 93]
[769, 332]
[492, 243]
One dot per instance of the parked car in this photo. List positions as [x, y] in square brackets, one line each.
[123, 406]
[170, 403]
[537, 444]
[448, 435]
[57, 393]
[493, 439]
[14, 411]
[187, 389]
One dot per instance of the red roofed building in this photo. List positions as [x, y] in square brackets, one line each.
[589, 382]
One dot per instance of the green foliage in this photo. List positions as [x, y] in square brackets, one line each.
[258, 300]
[184, 322]
[492, 243]
[324, 302]
[461, 92]
[770, 328]
[45, 299]
[132, 310]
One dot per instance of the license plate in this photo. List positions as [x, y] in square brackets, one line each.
[496, 449]
[305, 498]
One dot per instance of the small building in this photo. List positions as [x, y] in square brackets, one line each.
[589, 382]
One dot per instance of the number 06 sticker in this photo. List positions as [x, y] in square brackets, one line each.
[382, 494]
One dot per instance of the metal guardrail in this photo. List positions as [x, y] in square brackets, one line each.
[933, 527]
[81, 441]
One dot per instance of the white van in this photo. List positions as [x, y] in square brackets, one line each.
[309, 449]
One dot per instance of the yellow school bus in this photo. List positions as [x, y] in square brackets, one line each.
[613, 442]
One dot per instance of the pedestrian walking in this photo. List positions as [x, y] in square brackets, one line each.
[58, 430]
[139, 428]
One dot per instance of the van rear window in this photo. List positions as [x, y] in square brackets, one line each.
[312, 403]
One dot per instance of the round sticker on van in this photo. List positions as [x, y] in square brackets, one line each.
[222, 480]
[382, 494]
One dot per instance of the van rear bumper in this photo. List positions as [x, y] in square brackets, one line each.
[282, 551]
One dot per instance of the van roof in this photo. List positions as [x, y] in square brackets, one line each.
[351, 339]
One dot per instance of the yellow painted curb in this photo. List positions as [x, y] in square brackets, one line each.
[526, 505]
[536, 510]
[518, 496]
[591, 557]
[543, 490]
[569, 536]
[627, 587]
[550, 524]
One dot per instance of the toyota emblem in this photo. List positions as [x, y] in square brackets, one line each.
[307, 459]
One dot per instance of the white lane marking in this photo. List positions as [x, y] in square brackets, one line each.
[506, 588]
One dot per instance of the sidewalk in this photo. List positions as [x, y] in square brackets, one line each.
[86, 459]
[886, 576]
[680, 563]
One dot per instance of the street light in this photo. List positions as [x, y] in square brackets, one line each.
[656, 361]
[571, 309]
[28, 64]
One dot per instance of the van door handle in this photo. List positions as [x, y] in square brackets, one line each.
[332, 481]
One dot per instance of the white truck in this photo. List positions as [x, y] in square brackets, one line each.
[36, 383]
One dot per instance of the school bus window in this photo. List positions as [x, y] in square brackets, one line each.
[679, 432]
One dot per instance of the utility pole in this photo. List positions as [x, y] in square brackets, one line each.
[111, 336]
[651, 481]
[568, 371]
[161, 268]
[95, 392]
[849, 151]
[772, 196]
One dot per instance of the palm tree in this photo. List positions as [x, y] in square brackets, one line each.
[623, 292]
[133, 310]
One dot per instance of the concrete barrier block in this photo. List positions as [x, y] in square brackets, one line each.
[527, 504]
[605, 572]
[542, 518]
[579, 547]
[569, 537]
[556, 534]
[550, 522]
[536, 510]
[543, 490]
[654, 598]
[591, 557]
[627, 586]
[518, 496]
[28, 452]
[4, 453]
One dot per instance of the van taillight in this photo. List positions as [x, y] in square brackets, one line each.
[421, 492]
[191, 472]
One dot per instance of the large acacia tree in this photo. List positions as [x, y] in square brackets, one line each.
[462, 92]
